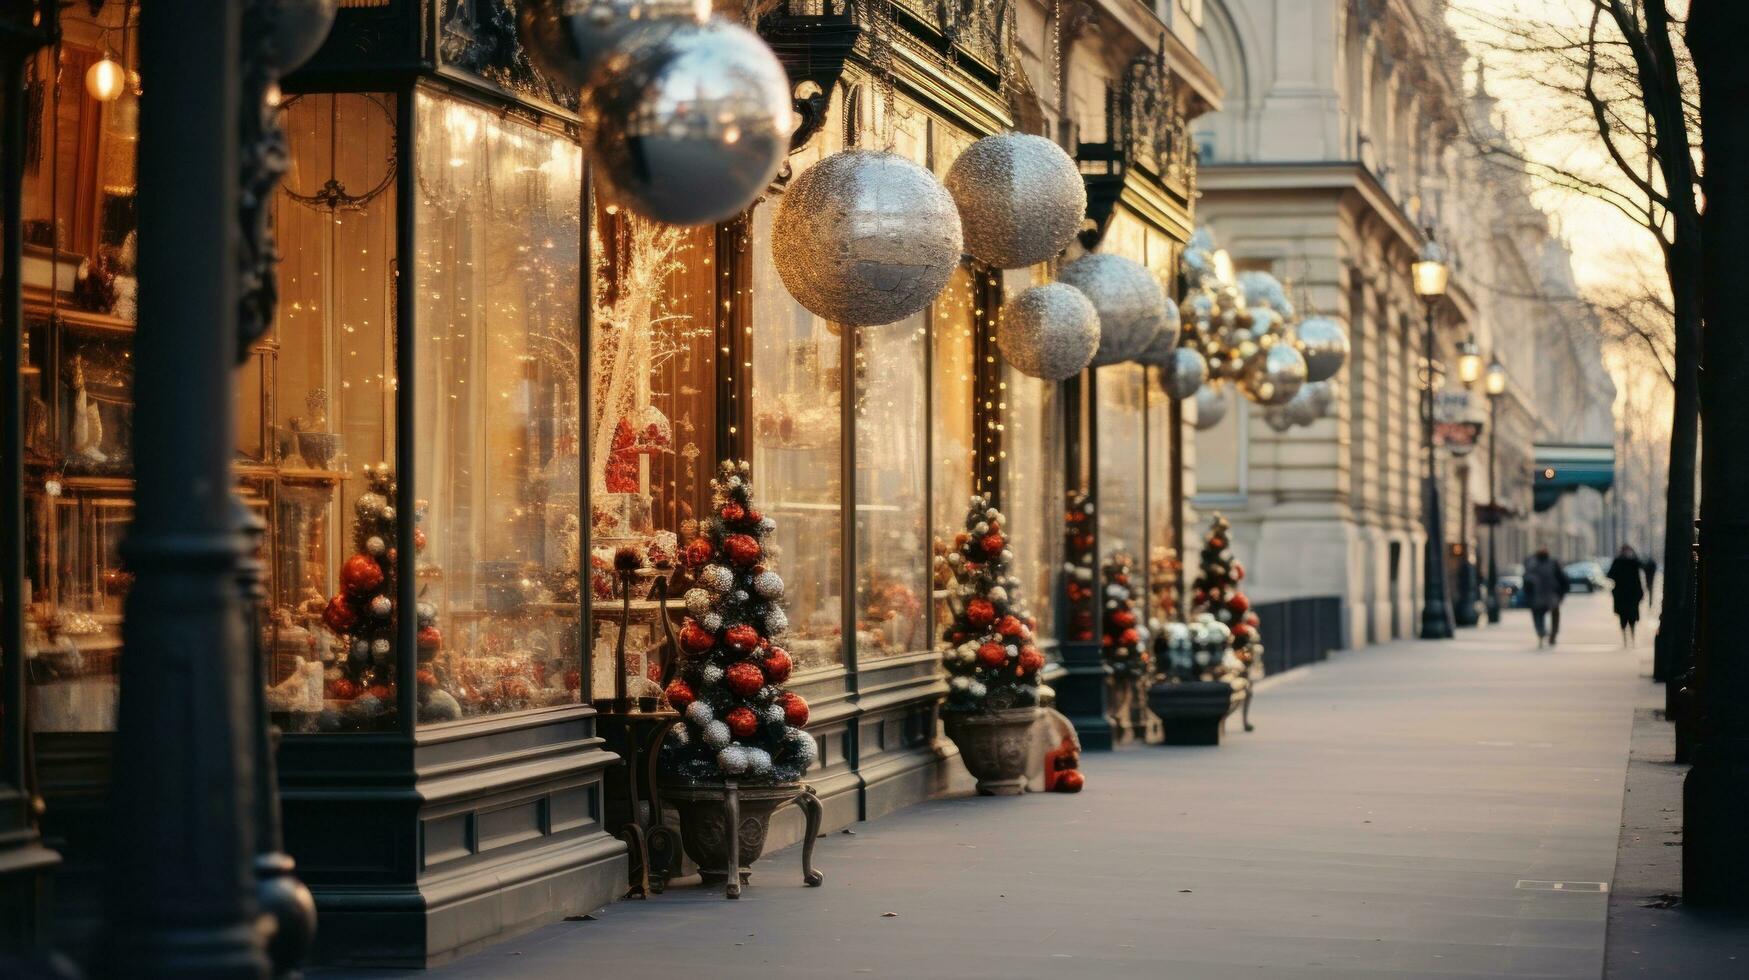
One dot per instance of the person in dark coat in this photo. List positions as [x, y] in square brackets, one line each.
[1546, 581]
[1625, 572]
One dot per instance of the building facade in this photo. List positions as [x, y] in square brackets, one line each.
[1347, 137]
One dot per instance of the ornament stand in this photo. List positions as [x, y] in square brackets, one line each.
[767, 800]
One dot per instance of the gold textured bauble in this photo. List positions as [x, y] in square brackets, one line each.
[1021, 199]
[1324, 344]
[690, 128]
[1131, 305]
[865, 237]
[1276, 378]
[1049, 331]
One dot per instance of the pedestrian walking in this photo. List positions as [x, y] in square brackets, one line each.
[1625, 573]
[1546, 582]
[1651, 577]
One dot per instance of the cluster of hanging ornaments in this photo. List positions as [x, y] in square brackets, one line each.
[689, 115]
[1243, 329]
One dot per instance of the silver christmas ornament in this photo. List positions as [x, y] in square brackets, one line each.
[776, 622]
[1262, 289]
[698, 602]
[1021, 199]
[716, 734]
[297, 28]
[693, 125]
[1184, 375]
[1131, 305]
[758, 761]
[1049, 331]
[381, 606]
[865, 238]
[1322, 395]
[1276, 378]
[716, 578]
[1159, 351]
[1211, 407]
[732, 760]
[768, 584]
[570, 39]
[699, 713]
[1324, 344]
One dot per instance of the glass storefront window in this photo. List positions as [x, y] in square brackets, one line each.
[952, 319]
[892, 569]
[498, 399]
[798, 453]
[1122, 462]
[1032, 490]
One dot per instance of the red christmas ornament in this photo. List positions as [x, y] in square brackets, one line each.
[732, 512]
[427, 679]
[777, 665]
[694, 639]
[745, 679]
[513, 689]
[795, 710]
[698, 551]
[573, 680]
[361, 575]
[1070, 781]
[1241, 634]
[340, 616]
[742, 549]
[993, 544]
[430, 639]
[680, 694]
[980, 613]
[1031, 660]
[742, 722]
[1251, 619]
[1129, 637]
[742, 638]
[755, 516]
[1238, 572]
[418, 539]
[380, 691]
[341, 689]
[1238, 603]
[992, 655]
[1010, 626]
[1124, 617]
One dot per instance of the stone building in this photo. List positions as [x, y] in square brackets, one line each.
[1346, 136]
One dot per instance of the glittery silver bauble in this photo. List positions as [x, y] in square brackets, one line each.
[732, 760]
[1322, 395]
[1325, 346]
[711, 674]
[1049, 331]
[768, 584]
[758, 761]
[712, 622]
[1185, 375]
[1302, 408]
[865, 238]
[1276, 378]
[369, 505]
[1130, 302]
[1021, 199]
[699, 713]
[716, 734]
[717, 578]
[374, 545]
[381, 606]
[1262, 289]
[1211, 407]
[1280, 417]
[801, 745]
[698, 602]
[1159, 351]
[776, 622]
[694, 125]
[569, 39]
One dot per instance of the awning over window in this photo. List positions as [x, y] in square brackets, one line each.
[1562, 468]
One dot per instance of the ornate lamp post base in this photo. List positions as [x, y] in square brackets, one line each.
[1436, 621]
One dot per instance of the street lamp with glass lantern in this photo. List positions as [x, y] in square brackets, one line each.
[1495, 386]
[1469, 362]
[1431, 274]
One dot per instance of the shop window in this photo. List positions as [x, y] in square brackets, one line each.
[953, 319]
[1032, 489]
[892, 573]
[1122, 462]
[798, 452]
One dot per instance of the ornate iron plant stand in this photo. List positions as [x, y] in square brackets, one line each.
[723, 828]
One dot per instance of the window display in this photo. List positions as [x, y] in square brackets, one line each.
[1123, 466]
[1032, 485]
[954, 369]
[893, 576]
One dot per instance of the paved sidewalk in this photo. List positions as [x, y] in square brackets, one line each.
[1401, 811]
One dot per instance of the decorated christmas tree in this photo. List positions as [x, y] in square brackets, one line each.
[739, 723]
[1078, 564]
[1124, 638]
[1221, 641]
[988, 647]
[362, 613]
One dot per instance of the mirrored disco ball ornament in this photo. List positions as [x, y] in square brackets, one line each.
[1185, 374]
[1276, 377]
[1322, 395]
[1131, 304]
[1021, 199]
[865, 237]
[1159, 351]
[569, 39]
[1303, 408]
[1049, 331]
[1280, 417]
[1324, 344]
[692, 126]
[1211, 407]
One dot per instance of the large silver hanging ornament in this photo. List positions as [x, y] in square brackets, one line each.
[1021, 199]
[1322, 395]
[1185, 374]
[297, 29]
[1262, 289]
[1211, 407]
[570, 39]
[1049, 331]
[865, 237]
[1276, 377]
[1281, 417]
[1324, 344]
[691, 127]
[1159, 351]
[1131, 305]
[1303, 408]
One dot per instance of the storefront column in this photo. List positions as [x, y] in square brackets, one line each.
[181, 886]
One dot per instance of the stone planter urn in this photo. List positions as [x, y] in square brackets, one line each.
[1191, 712]
[993, 745]
[723, 826]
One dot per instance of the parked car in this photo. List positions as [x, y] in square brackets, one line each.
[1586, 576]
[1511, 588]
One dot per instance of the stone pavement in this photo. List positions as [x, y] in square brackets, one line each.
[1401, 811]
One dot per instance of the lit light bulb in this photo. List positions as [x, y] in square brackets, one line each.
[105, 79]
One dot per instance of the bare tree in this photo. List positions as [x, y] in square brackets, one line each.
[1623, 77]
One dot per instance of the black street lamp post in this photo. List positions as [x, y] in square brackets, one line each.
[1496, 386]
[1469, 369]
[1430, 275]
